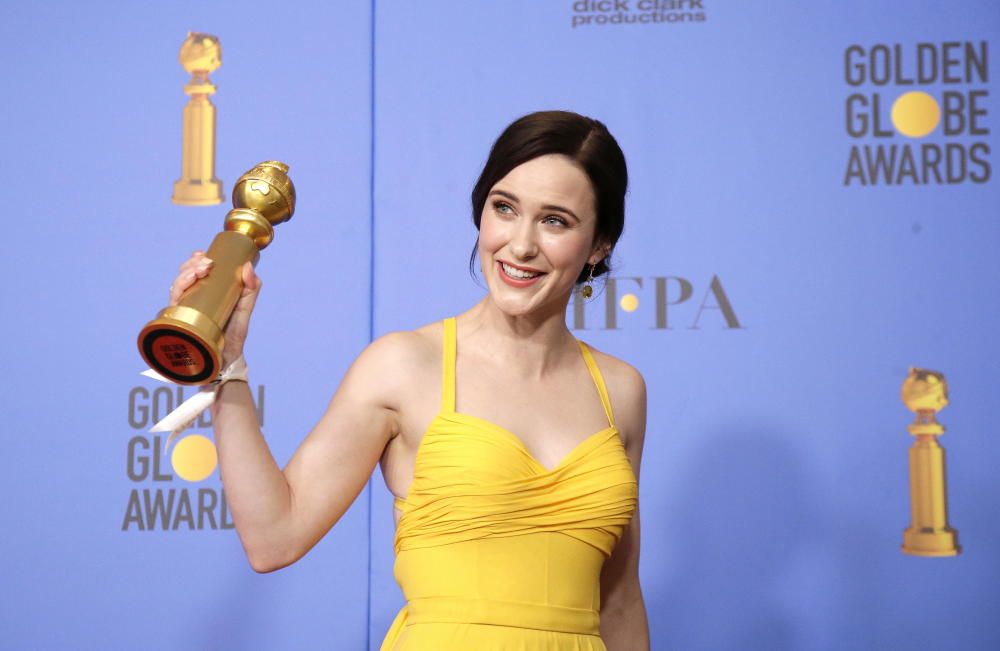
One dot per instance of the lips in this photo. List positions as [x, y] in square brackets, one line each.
[517, 282]
[517, 266]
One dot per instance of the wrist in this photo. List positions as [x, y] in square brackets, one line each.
[228, 359]
[232, 370]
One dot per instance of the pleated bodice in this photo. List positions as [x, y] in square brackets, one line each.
[496, 551]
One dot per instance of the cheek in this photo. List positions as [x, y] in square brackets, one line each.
[566, 249]
[491, 234]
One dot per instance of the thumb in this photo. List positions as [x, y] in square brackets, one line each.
[251, 280]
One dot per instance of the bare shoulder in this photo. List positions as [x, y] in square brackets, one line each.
[625, 383]
[402, 346]
[627, 392]
[394, 362]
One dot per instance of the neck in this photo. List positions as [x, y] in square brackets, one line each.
[529, 344]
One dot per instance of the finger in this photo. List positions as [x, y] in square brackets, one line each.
[192, 263]
[196, 260]
[175, 292]
[182, 282]
[202, 269]
[197, 266]
[248, 298]
[251, 280]
[191, 275]
[195, 256]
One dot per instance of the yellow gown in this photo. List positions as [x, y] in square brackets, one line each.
[496, 552]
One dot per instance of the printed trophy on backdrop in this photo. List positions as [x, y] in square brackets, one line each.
[184, 342]
[926, 393]
[200, 55]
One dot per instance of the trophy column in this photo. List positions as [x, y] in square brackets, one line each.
[200, 54]
[926, 393]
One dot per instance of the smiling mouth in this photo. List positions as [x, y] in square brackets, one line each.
[518, 274]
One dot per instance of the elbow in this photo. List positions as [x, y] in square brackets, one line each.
[271, 549]
[265, 562]
[264, 568]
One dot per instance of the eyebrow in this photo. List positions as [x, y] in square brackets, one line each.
[549, 206]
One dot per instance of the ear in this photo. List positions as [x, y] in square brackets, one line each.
[601, 251]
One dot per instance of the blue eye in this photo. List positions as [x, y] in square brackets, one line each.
[500, 205]
[559, 220]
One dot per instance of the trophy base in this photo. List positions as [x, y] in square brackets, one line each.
[193, 192]
[931, 542]
[183, 345]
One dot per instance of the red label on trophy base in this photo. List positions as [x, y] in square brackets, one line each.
[178, 356]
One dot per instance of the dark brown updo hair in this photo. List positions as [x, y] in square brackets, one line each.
[588, 143]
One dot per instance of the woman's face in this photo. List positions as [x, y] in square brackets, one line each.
[536, 234]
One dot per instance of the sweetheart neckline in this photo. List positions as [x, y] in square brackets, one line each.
[520, 442]
[509, 434]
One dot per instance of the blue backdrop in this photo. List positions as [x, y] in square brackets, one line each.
[789, 252]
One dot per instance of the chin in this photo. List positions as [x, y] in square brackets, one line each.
[518, 302]
[521, 306]
[512, 305]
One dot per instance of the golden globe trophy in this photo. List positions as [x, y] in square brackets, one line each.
[925, 393]
[184, 342]
[200, 55]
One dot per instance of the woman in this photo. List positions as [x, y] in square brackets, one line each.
[516, 527]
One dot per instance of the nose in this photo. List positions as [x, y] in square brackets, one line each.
[524, 242]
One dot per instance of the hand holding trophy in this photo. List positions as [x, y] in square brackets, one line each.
[234, 334]
[185, 342]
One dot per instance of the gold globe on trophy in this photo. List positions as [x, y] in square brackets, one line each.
[201, 54]
[926, 393]
[184, 342]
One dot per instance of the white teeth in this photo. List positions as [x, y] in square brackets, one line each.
[517, 273]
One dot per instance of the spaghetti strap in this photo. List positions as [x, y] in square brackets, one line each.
[595, 373]
[448, 366]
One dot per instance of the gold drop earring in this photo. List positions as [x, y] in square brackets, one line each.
[588, 289]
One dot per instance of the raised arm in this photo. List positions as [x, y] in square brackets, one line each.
[280, 514]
